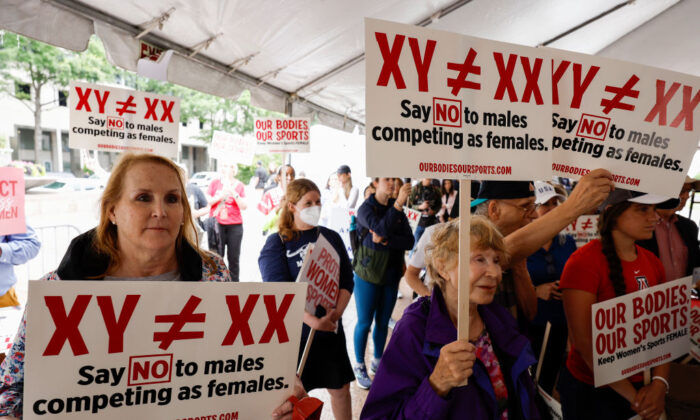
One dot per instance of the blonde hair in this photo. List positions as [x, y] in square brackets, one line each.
[443, 250]
[295, 191]
[105, 240]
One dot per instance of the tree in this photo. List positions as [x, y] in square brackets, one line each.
[24, 60]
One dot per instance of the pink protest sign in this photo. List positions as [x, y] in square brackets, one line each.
[12, 201]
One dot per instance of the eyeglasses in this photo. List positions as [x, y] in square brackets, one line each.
[526, 209]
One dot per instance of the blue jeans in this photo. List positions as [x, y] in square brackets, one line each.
[373, 301]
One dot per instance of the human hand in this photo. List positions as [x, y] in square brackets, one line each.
[404, 192]
[376, 238]
[326, 324]
[650, 401]
[548, 291]
[591, 191]
[284, 411]
[453, 367]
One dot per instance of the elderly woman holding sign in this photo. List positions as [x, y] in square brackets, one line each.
[424, 367]
[603, 269]
[146, 232]
[281, 259]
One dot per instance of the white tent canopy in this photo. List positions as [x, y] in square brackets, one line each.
[306, 57]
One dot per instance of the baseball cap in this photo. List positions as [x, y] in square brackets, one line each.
[503, 190]
[545, 192]
[344, 169]
[619, 195]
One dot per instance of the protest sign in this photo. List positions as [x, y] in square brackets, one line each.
[12, 201]
[232, 148]
[112, 119]
[413, 217]
[223, 350]
[339, 219]
[283, 135]
[446, 105]
[553, 406]
[10, 317]
[634, 120]
[640, 330]
[321, 270]
[584, 229]
[695, 330]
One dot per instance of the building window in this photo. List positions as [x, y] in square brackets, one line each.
[46, 141]
[201, 124]
[62, 98]
[22, 90]
[26, 139]
[64, 142]
[185, 152]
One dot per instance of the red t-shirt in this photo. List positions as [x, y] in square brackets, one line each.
[232, 213]
[587, 270]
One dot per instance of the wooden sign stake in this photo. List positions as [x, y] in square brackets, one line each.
[465, 189]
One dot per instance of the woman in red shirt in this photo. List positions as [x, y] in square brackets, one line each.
[228, 196]
[603, 269]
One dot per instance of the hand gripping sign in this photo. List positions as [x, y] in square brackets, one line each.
[283, 135]
[120, 120]
[636, 121]
[115, 350]
[232, 148]
[445, 105]
[12, 201]
[640, 330]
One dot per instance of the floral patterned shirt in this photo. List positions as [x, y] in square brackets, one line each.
[12, 368]
[485, 353]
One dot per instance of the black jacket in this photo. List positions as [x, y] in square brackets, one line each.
[689, 233]
[83, 262]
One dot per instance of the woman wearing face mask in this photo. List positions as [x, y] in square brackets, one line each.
[386, 234]
[604, 269]
[328, 365]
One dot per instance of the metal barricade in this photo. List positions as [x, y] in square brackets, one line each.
[54, 242]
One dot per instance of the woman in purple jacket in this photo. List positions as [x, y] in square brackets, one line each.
[424, 364]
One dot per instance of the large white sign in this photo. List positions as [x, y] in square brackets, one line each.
[339, 220]
[584, 229]
[445, 105]
[640, 330]
[115, 350]
[10, 318]
[283, 135]
[120, 120]
[232, 148]
[321, 271]
[636, 121]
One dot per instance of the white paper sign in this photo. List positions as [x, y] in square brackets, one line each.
[553, 406]
[120, 120]
[339, 220]
[232, 148]
[640, 330]
[321, 270]
[10, 318]
[634, 120]
[413, 217]
[446, 105]
[283, 135]
[160, 350]
[584, 229]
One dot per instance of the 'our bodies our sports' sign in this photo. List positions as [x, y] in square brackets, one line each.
[115, 120]
[115, 350]
[283, 135]
[446, 105]
[634, 120]
[640, 330]
[232, 148]
[321, 271]
[12, 201]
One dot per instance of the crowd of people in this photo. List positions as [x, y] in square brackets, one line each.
[525, 274]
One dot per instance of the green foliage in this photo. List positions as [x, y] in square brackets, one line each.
[4, 142]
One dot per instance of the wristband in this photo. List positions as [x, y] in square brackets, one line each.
[662, 379]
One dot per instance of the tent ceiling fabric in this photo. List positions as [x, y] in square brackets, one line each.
[309, 53]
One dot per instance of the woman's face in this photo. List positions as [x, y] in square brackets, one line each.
[149, 213]
[448, 185]
[545, 208]
[286, 177]
[385, 185]
[343, 178]
[310, 199]
[484, 275]
[637, 221]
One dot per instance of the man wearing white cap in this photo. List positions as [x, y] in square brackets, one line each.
[675, 239]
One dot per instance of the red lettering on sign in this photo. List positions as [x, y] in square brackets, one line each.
[662, 100]
[391, 60]
[239, 320]
[620, 94]
[179, 320]
[116, 328]
[579, 87]
[66, 325]
[505, 72]
[167, 109]
[126, 106]
[422, 63]
[532, 75]
[447, 112]
[593, 127]
[688, 108]
[464, 70]
[151, 109]
[83, 99]
[101, 101]
[150, 369]
[275, 318]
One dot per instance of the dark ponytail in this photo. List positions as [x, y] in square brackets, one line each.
[606, 224]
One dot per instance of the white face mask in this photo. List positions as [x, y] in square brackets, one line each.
[310, 215]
